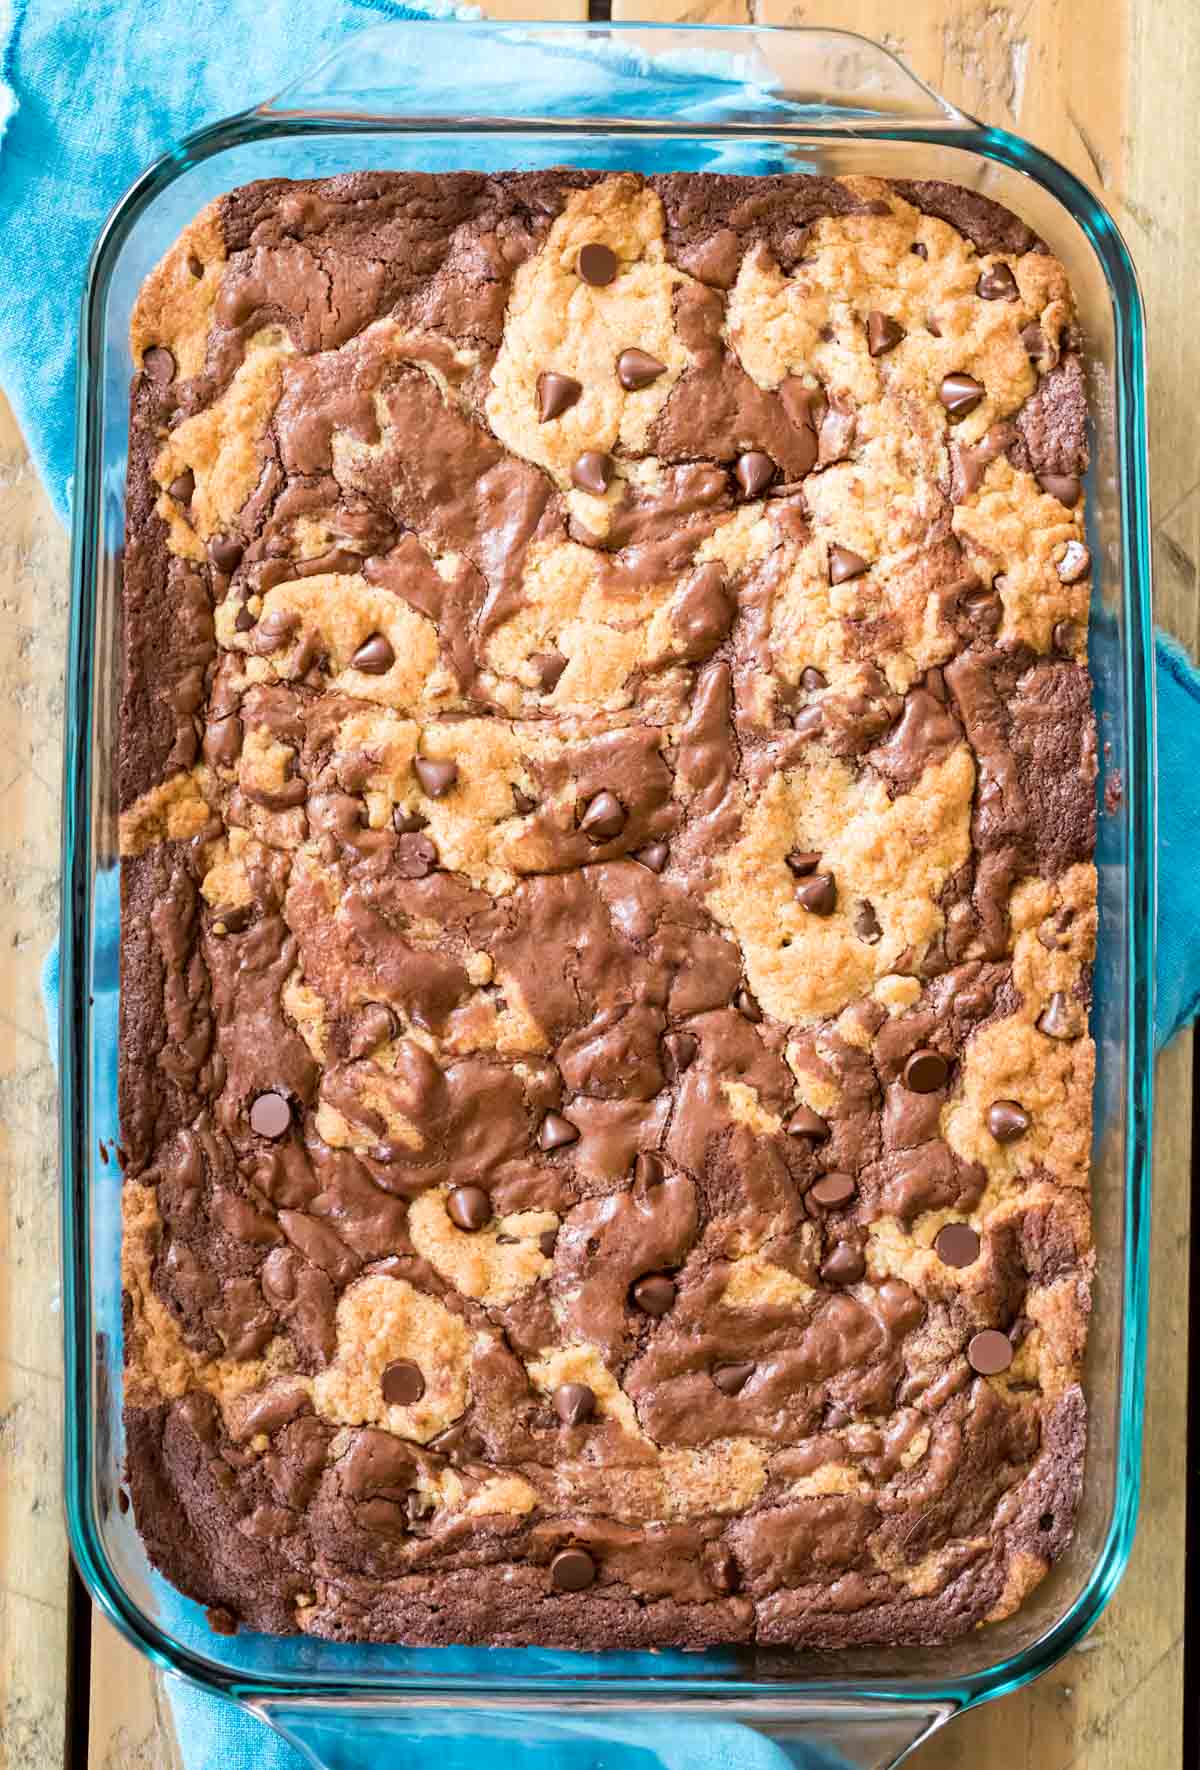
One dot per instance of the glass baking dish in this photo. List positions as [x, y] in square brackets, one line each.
[819, 101]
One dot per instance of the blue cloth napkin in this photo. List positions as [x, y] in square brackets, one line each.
[89, 95]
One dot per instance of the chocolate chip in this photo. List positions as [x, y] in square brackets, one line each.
[596, 264]
[573, 1570]
[1007, 1120]
[182, 487]
[745, 1004]
[883, 333]
[935, 682]
[1066, 487]
[731, 1379]
[919, 249]
[679, 1053]
[1064, 636]
[469, 1207]
[274, 630]
[194, 265]
[990, 1352]
[1055, 1021]
[845, 1265]
[931, 326]
[925, 1072]
[960, 394]
[557, 1132]
[220, 1620]
[223, 741]
[402, 1383]
[243, 620]
[547, 1241]
[808, 722]
[983, 606]
[556, 395]
[654, 856]
[804, 1122]
[1034, 340]
[373, 1026]
[122, 1501]
[997, 283]
[754, 472]
[574, 1403]
[374, 656]
[407, 823]
[818, 895]
[270, 1115]
[655, 1294]
[604, 818]
[866, 923]
[637, 369]
[957, 1244]
[833, 1190]
[593, 472]
[549, 666]
[416, 857]
[434, 778]
[1075, 563]
[803, 861]
[159, 364]
[844, 565]
[812, 681]
[649, 1170]
[225, 551]
[523, 802]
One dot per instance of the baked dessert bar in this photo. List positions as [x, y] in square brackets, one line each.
[607, 788]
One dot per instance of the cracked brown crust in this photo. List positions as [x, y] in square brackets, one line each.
[710, 843]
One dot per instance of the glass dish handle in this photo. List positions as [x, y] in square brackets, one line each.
[652, 75]
[760, 1735]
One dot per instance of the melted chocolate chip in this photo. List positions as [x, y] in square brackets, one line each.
[434, 778]
[866, 923]
[960, 394]
[573, 1570]
[818, 895]
[220, 1620]
[574, 1403]
[997, 283]
[270, 1115]
[957, 1244]
[746, 1005]
[654, 856]
[604, 818]
[754, 472]
[1055, 1020]
[1034, 340]
[547, 1242]
[1074, 563]
[416, 857]
[243, 620]
[655, 1294]
[832, 1191]
[523, 802]
[637, 369]
[925, 1072]
[648, 1170]
[679, 1053]
[990, 1352]
[812, 680]
[159, 364]
[408, 823]
[883, 333]
[1007, 1120]
[804, 1122]
[549, 666]
[225, 551]
[402, 1383]
[557, 1132]
[556, 394]
[469, 1208]
[845, 1265]
[731, 1379]
[844, 565]
[182, 487]
[809, 722]
[223, 741]
[374, 656]
[373, 1026]
[597, 264]
[1063, 636]
[593, 472]
[1066, 487]
[803, 861]
[919, 249]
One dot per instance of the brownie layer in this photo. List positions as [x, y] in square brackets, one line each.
[607, 787]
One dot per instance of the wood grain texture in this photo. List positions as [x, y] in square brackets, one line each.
[1115, 98]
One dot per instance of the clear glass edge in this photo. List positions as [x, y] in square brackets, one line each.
[729, 1695]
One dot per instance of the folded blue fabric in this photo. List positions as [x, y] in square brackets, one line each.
[89, 95]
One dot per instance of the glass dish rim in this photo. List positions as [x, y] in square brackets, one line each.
[949, 128]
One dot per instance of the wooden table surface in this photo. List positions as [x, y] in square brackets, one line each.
[1111, 88]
